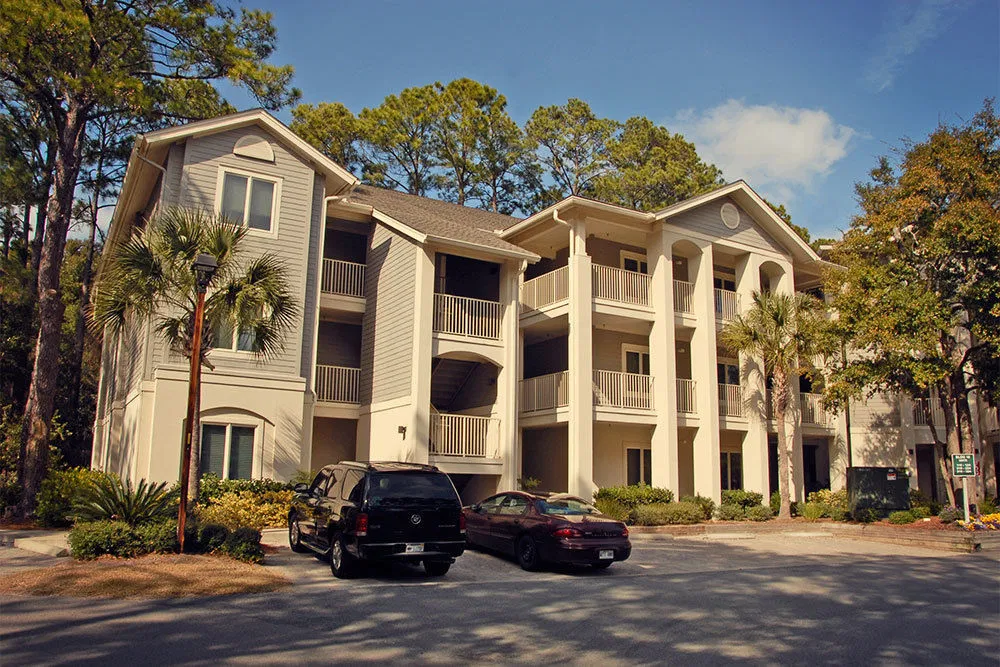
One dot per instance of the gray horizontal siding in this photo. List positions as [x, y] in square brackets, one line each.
[310, 305]
[706, 219]
[339, 344]
[387, 344]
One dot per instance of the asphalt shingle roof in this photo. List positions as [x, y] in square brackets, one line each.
[438, 218]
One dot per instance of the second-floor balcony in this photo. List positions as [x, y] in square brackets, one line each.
[343, 278]
[337, 384]
[812, 409]
[921, 407]
[686, 402]
[615, 389]
[545, 392]
[727, 305]
[467, 436]
[465, 316]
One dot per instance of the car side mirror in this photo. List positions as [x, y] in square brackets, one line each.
[477, 508]
[301, 487]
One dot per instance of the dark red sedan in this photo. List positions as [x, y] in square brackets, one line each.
[538, 529]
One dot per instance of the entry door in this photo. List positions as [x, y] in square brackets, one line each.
[732, 470]
[638, 466]
[926, 471]
[635, 359]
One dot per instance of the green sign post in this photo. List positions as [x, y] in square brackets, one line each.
[964, 466]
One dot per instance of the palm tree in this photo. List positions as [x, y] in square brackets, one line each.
[786, 333]
[149, 279]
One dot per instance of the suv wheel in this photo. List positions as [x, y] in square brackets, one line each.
[342, 564]
[295, 536]
[436, 568]
[527, 553]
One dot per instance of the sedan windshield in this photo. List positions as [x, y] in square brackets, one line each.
[565, 506]
[410, 487]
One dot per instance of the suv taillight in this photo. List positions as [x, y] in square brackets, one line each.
[461, 523]
[624, 531]
[567, 532]
[361, 525]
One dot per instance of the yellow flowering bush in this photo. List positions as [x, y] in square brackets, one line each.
[985, 522]
[247, 509]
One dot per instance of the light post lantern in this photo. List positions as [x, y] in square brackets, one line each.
[204, 268]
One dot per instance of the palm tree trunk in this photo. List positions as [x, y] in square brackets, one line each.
[780, 408]
[194, 481]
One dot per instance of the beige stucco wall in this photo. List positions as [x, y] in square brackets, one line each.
[333, 440]
[610, 442]
[544, 455]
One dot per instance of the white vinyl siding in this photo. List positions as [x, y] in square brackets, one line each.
[707, 220]
[390, 290]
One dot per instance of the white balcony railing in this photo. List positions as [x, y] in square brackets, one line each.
[813, 411]
[727, 304]
[464, 316]
[616, 284]
[685, 396]
[623, 390]
[344, 278]
[920, 406]
[545, 392]
[731, 400]
[465, 435]
[547, 288]
[683, 297]
[337, 384]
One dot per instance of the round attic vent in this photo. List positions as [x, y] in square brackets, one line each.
[730, 216]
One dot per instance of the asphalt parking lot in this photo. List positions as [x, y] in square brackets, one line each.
[770, 599]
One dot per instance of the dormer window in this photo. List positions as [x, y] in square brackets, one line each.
[248, 200]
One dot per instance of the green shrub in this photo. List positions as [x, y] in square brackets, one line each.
[834, 500]
[634, 496]
[60, 490]
[840, 514]
[157, 538]
[110, 499]
[89, 540]
[742, 498]
[10, 450]
[211, 487]
[707, 505]
[244, 544]
[986, 506]
[730, 512]
[866, 515]
[660, 514]
[951, 514]
[759, 513]
[904, 516]
[212, 536]
[774, 502]
[814, 510]
[920, 511]
[247, 509]
[614, 509]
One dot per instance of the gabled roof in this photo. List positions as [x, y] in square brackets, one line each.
[572, 201]
[440, 221]
[754, 204]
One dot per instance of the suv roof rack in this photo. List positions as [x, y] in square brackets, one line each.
[389, 466]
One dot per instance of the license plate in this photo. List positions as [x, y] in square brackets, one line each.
[606, 554]
[414, 548]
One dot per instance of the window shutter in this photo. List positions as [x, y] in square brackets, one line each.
[241, 453]
[213, 448]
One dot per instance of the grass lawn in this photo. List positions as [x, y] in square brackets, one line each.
[154, 576]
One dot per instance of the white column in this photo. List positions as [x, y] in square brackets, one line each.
[785, 284]
[755, 459]
[663, 360]
[580, 447]
[707, 477]
[507, 395]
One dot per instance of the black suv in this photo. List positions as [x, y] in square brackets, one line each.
[372, 511]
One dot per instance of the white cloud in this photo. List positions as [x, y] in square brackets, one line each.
[778, 150]
[912, 25]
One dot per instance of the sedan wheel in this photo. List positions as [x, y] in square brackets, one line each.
[295, 536]
[527, 553]
[342, 564]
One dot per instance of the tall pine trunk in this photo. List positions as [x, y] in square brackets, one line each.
[34, 458]
[80, 332]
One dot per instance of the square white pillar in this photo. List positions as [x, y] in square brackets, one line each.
[580, 450]
[707, 475]
[663, 361]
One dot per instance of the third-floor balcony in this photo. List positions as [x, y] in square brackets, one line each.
[343, 278]
[683, 296]
[337, 384]
[616, 389]
[731, 400]
[727, 305]
[544, 392]
[686, 401]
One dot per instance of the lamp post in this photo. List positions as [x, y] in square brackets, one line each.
[204, 268]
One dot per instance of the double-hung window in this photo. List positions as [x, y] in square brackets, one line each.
[248, 200]
[225, 337]
[227, 450]
[638, 466]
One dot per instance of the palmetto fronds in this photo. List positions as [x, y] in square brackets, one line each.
[149, 278]
[109, 498]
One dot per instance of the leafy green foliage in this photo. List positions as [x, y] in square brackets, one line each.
[635, 495]
[920, 511]
[89, 540]
[707, 505]
[110, 499]
[614, 509]
[742, 498]
[244, 544]
[986, 506]
[951, 514]
[62, 490]
[902, 517]
[758, 513]
[213, 487]
[660, 514]
[813, 510]
[918, 499]
[212, 536]
[730, 512]
[247, 509]
[866, 515]
[332, 129]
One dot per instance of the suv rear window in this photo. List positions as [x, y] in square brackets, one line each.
[410, 486]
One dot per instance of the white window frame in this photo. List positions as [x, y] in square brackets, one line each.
[640, 350]
[640, 258]
[251, 175]
[232, 350]
[626, 446]
[229, 443]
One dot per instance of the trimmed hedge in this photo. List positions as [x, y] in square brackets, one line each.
[212, 488]
[244, 544]
[759, 513]
[247, 509]
[614, 509]
[660, 514]
[61, 490]
[742, 498]
[730, 512]
[775, 505]
[902, 517]
[814, 510]
[212, 536]
[707, 505]
[93, 539]
[634, 496]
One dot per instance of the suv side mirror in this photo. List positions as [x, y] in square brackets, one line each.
[477, 508]
[301, 487]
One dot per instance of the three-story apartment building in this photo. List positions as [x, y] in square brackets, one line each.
[578, 346]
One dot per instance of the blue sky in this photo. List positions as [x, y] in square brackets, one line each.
[798, 98]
